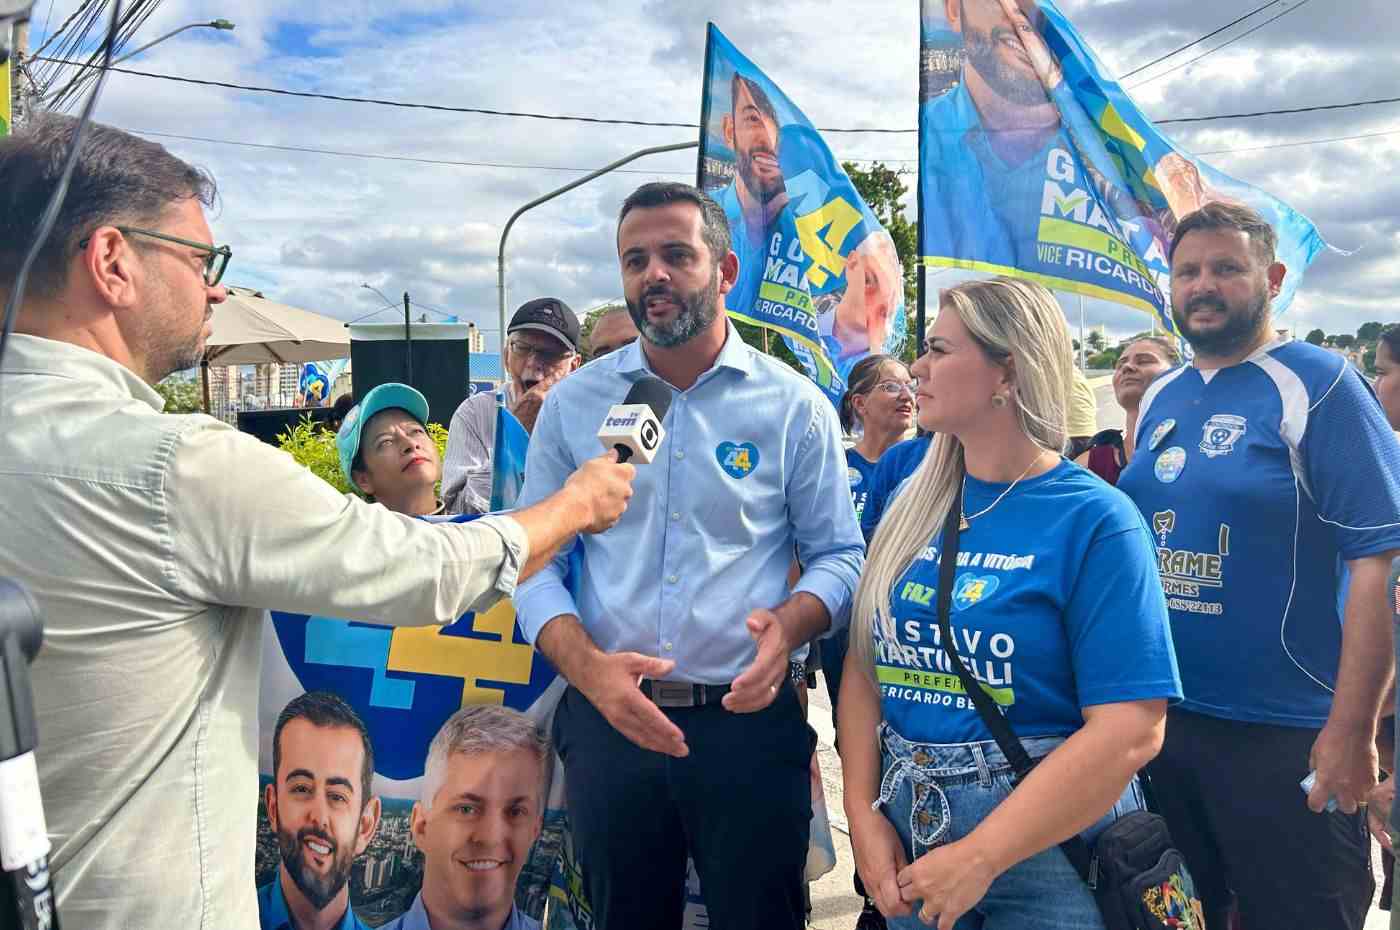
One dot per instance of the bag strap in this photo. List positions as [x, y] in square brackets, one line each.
[1075, 849]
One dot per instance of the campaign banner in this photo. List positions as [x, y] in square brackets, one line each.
[1034, 162]
[402, 683]
[5, 94]
[802, 232]
[314, 386]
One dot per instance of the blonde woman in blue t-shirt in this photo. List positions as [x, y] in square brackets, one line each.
[1057, 610]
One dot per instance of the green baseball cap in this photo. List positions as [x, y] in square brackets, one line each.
[384, 397]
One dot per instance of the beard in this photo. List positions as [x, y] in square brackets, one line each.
[1241, 324]
[317, 889]
[698, 310]
[1009, 82]
[763, 190]
[170, 347]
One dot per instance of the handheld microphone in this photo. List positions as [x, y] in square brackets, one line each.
[633, 427]
[26, 893]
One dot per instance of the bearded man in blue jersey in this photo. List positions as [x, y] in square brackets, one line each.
[1267, 473]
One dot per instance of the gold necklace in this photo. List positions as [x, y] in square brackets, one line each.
[966, 521]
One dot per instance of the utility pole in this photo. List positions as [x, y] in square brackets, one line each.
[19, 74]
[407, 343]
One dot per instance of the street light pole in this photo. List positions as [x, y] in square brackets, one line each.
[221, 24]
[501, 253]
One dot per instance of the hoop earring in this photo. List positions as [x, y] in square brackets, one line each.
[998, 400]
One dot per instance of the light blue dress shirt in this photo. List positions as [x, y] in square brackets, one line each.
[416, 918]
[751, 466]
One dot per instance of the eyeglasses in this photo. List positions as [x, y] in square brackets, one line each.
[895, 388]
[546, 356]
[216, 258]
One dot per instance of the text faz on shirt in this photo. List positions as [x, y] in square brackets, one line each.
[1255, 479]
[1056, 606]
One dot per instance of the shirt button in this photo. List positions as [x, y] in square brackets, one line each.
[676, 515]
[679, 454]
[674, 578]
[669, 647]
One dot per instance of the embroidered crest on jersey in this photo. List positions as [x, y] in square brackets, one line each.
[1160, 433]
[1170, 464]
[854, 476]
[1220, 434]
[1163, 522]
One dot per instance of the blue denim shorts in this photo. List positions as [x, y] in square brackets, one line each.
[935, 794]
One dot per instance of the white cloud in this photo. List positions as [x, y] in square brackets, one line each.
[309, 229]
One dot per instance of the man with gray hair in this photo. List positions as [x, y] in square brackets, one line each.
[482, 807]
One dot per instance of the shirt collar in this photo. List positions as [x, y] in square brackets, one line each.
[735, 355]
[30, 355]
[416, 917]
[278, 915]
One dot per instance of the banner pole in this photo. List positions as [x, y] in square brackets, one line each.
[1081, 333]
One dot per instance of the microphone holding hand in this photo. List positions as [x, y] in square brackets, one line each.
[633, 427]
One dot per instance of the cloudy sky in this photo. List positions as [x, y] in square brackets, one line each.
[308, 229]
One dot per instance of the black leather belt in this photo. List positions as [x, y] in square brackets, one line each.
[682, 693]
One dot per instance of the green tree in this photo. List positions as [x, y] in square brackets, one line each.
[1369, 332]
[1104, 360]
[182, 395]
[1316, 337]
[1368, 361]
[1094, 340]
[1343, 340]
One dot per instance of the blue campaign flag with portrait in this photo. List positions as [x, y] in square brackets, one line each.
[801, 230]
[1034, 162]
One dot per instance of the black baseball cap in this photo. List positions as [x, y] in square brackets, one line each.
[547, 315]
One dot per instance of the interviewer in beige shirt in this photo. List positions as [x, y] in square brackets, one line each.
[152, 543]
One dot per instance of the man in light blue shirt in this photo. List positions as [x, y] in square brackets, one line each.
[680, 732]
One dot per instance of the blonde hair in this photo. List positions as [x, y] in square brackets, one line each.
[1011, 321]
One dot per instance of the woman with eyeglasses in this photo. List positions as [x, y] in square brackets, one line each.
[877, 409]
[1055, 607]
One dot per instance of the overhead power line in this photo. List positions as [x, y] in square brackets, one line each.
[630, 122]
[1208, 35]
[1230, 41]
[527, 167]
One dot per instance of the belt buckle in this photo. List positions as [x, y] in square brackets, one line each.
[672, 693]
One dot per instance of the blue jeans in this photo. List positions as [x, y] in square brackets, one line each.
[936, 794]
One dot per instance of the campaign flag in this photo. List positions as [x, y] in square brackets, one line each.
[802, 232]
[314, 385]
[1034, 162]
[507, 458]
[5, 118]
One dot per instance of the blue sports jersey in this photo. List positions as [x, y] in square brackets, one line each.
[1049, 622]
[1256, 480]
[860, 472]
[899, 462]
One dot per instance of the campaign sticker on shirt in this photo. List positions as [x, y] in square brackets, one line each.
[1220, 434]
[1169, 464]
[1160, 433]
[973, 589]
[737, 459]
[855, 476]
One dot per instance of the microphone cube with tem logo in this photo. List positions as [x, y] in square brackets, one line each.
[634, 430]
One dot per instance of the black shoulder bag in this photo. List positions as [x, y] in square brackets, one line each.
[1138, 877]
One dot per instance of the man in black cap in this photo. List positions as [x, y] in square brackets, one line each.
[541, 347]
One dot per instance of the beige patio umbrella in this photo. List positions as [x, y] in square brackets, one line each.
[249, 329]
